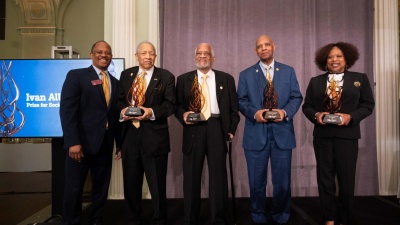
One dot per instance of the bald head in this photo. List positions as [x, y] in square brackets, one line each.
[265, 49]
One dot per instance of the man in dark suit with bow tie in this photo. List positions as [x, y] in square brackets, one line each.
[206, 138]
[145, 139]
[90, 125]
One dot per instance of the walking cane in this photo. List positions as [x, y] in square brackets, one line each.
[232, 186]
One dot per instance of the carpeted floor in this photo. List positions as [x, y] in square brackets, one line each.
[369, 210]
[24, 194]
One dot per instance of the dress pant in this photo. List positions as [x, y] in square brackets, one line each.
[257, 165]
[336, 157]
[136, 164]
[209, 142]
[75, 176]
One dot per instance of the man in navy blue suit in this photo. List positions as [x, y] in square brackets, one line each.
[90, 125]
[269, 140]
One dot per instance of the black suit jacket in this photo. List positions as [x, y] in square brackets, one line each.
[160, 96]
[357, 100]
[84, 112]
[227, 104]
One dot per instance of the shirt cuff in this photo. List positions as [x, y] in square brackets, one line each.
[153, 117]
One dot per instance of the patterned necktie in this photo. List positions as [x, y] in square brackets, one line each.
[269, 77]
[106, 86]
[140, 92]
[205, 91]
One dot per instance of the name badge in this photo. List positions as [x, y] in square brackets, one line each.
[97, 82]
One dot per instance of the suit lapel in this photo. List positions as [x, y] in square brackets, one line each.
[322, 83]
[155, 79]
[189, 80]
[260, 79]
[114, 88]
[220, 86]
[94, 76]
[347, 81]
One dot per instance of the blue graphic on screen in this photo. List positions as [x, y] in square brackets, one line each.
[30, 94]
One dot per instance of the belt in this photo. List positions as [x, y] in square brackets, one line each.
[215, 115]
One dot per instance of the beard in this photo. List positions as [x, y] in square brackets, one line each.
[203, 65]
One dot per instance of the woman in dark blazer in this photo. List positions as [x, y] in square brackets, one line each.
[347, 95]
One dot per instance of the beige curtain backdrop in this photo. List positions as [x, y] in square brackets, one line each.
[386, 70]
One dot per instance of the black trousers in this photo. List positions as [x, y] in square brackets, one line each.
[75, 175]
[136, 164]
[209, 142]
[336, 157]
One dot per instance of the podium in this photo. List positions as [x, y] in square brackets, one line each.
[64, 50]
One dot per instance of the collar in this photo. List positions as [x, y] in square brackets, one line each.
[210, 74]
[149, 71]
[264, 66]
[98, 71]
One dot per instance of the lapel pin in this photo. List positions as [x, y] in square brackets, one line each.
[357, 84]
[131, 74]
[256, 71]
[277, 69]
[155, 79]
[220, 87]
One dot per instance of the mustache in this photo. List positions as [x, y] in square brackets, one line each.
[202, 65]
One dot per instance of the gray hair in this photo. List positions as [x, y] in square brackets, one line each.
[145, 42]
[212, 50]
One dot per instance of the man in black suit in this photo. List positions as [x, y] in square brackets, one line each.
[145, 138]
[208, 138]
[90, 125]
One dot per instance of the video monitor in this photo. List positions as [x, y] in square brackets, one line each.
[30, 92]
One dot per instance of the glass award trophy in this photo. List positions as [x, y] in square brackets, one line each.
[137, 92]
[270, 102]
[196, 102]
[332, 103]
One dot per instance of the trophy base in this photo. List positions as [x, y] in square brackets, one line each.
[271, 115]
[195, 117]
[133, 111]
[332, 119]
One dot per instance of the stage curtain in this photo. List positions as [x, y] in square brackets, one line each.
[298, 28]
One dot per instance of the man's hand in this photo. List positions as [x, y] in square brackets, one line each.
[75, 152]
[118, 154]
[281, 115]
[259, 116]
[185, 115]
[123, 116]
[147, 114]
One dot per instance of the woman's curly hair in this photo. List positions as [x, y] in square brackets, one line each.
[350, 53]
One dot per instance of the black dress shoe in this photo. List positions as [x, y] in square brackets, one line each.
[276, 223]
